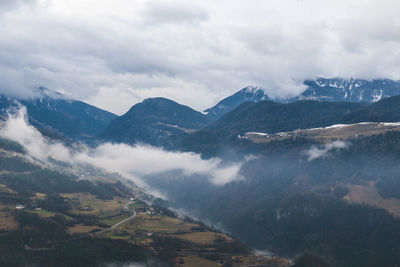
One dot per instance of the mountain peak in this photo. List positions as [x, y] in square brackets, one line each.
[156, 121]
[42, 92]
[157, 99]
[160, 101]
[159, 106]
[247, 94]
[252, 90]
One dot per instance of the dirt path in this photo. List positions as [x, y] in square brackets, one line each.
[91, 234]
[114, 226]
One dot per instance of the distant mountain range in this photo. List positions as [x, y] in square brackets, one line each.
[163, 122]
[321, 89]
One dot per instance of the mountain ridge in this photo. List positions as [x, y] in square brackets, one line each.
[319, 89]
[268, 117]
[61, 117]
[168, 122]
[155, 121]
[349, 90]
[247, 94]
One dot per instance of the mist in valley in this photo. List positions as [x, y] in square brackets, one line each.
[132, 162]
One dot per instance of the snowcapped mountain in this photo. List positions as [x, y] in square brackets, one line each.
[320, 89]
[247, 94]
[349, 90]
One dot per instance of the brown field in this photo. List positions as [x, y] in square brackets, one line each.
[368, 194]
[117, 234]
[90, 204]
[203, 238]
[116, 219]
[177, 228]
[163, 224]
[40, 195]
[42, 213]
[232, 260]
[81, 229]
[7, 222]
[196, 261]
[252, 260]
[5, 189]
[6, 206]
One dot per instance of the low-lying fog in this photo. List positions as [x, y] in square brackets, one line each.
[133, 162]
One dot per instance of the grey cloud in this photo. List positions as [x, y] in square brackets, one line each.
[177, 12]
[7, 5]
[193, 54]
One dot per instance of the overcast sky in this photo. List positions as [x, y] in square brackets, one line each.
[116, 53]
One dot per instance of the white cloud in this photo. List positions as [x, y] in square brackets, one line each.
[222, 176]
[192, 52]
[315, 152]
[134, 162]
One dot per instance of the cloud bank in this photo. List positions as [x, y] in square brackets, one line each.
[316, 153]
[133, 162]
[116, 53]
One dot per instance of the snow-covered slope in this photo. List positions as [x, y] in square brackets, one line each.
[349, 90]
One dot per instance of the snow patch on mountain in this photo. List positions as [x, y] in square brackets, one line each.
[349, 90]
